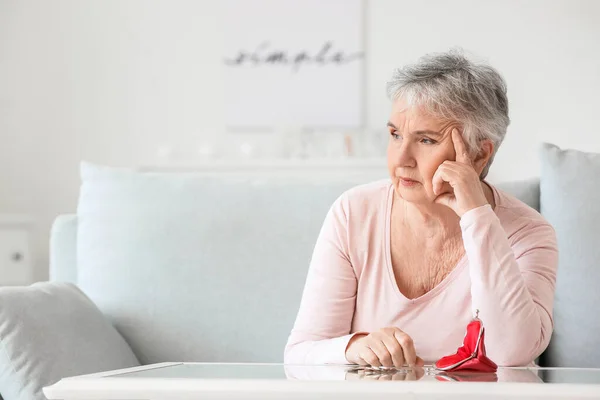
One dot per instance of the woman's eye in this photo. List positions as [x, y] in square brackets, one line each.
[395, 136]
[428, 141]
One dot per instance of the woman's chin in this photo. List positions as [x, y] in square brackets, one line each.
[414, 194]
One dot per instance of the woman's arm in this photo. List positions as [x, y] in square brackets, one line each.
[513, 287]
[321, 332]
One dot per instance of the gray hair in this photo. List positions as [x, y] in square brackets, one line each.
[453, 88]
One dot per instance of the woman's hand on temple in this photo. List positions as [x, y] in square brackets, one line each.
[388, 347]
[464, 179]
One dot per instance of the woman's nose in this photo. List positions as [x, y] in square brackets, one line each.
[405, 156]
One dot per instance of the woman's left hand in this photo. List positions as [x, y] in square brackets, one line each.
[460, 174]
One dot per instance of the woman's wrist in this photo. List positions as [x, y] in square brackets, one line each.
[473, 215]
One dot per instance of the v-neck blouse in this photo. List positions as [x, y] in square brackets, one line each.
[387, 243]
[508, 273]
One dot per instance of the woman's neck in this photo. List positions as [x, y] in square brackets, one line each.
[430, 219]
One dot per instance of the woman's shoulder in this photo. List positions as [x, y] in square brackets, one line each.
[360, 212]
[359, 203]
[367, 194]
[516, 215]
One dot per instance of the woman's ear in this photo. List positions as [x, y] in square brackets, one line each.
[485, 153]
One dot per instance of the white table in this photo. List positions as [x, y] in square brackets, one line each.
[277, 381]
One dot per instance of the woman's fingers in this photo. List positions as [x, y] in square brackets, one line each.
[408, 347]
[360, 361]
[394, 349]
[368, 355]
[381, 350]
[443, 179]
[419, 372]
[437, 182]
[462, 155]
[388, 347]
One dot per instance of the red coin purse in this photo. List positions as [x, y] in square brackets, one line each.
[471, 355]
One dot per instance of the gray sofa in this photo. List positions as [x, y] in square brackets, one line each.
[204, 269]
[196, 268]
[189, 267]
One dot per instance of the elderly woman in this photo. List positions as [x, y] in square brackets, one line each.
[400, 266]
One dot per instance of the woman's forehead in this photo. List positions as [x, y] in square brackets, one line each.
[413, 117]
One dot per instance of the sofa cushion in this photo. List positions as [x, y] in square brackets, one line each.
[63, 249]
[528, 191]
[193, 268]
[569, 197]
[49, 331]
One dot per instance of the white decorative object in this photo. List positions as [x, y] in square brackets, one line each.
[205, 151]
[15, 250]
[293, 63]
[314, 169]
[246, 150]
[164, 153]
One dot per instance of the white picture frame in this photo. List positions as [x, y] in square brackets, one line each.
[292, 63]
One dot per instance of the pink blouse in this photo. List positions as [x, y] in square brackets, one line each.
[508, 273]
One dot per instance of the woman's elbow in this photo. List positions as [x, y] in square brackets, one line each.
[288, 357]
[522, 352]
[292, 354]
[514, 360]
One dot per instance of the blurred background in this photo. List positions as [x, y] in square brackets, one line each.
[144, 84]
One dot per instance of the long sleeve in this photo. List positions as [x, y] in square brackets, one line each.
[512, 284]
[322, 328]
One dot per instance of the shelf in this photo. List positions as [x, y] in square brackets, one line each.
[15, 220]
[224, 165]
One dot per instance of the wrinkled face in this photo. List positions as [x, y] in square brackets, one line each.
[418, 144]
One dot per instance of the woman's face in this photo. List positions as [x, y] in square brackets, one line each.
[418, 144]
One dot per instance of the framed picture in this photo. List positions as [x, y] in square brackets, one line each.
[293, 63]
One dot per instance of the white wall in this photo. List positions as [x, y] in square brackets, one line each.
[111, 81]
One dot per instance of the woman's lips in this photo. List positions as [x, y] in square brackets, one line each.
[407, 182]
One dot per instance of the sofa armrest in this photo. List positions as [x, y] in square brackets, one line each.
[63, 249]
